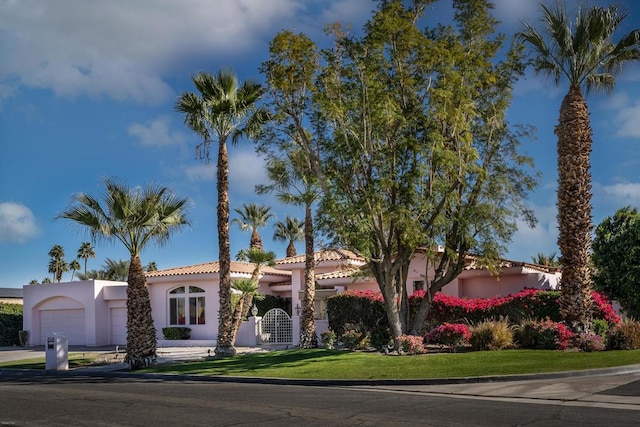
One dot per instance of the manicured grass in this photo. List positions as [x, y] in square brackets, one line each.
[75, 361]
[336, 364]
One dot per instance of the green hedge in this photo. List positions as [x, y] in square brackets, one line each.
[10, 324]
[176, 333]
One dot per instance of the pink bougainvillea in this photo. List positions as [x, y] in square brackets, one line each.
[411, 344]
[604, 306]
[451, 334]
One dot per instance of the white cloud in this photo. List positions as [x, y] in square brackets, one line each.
[123, 48]
[246, 170]
[157, 133]
[200, 172]
[619, 194]
[628, 119]
[17, 223]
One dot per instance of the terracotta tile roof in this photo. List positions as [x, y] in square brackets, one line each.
[505, 263]
[324, 255]
[339, 274]
[214, 267]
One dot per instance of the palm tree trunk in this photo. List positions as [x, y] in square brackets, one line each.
[256, 240]
[141, 334]
[308, 338]
[291, 249]
[574, 209]
[224, 344]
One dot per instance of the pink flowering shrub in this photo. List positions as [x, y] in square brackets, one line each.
[411, 344]
[589, 342]
[543, 335]
[603, 309]
[449, 334]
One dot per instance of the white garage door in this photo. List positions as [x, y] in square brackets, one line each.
[119, 325]
[69, 322]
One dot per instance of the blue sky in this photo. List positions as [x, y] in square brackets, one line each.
[87, 91]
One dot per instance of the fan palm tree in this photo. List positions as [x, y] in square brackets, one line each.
[584, 54]
[222, 110]
[249, 291]
[292, 179]
[135, 217]
[290, 230]
[85, 252]
[252, 217]
[116, 270]
[74, 266]
[259, 259]
[57, 264]
[548, 260]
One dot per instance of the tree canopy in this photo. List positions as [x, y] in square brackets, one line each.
[616, 251]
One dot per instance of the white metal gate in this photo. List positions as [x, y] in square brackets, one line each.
[275, 327]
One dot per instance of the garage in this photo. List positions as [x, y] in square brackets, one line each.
[71, 322]
[118, 318]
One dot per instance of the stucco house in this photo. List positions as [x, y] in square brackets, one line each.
[93, 312]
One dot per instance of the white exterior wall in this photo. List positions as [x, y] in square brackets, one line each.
[159, 296]
[83, 295]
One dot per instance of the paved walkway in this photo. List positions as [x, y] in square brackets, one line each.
[612, 388]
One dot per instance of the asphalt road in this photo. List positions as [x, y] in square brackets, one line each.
[118, 401]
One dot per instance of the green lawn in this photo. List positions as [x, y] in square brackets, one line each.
[336, 364]
[75, 361]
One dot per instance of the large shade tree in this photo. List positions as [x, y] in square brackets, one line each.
[616, 250]
[290, 145]
[135, 217]
[409, 143]
[583, 53]
[222, 110]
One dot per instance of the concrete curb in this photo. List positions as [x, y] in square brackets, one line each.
[108, 371]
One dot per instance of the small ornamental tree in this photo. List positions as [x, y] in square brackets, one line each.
[616, 251]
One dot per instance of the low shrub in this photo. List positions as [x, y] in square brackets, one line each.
[589, 342]
[10, 324]
[176, 333]
[380, 338]
[600, 327]
[624, 336]
[328, 339]
[354, 340]
[453, 335]
[411, 344]
[491, 335]
[543, 335]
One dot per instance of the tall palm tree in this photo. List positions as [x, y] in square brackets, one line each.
[294, 183]
[135, 217]
[252, 217]
[222, 110]
[85, 252]
[151, 266]
[290, 230]
[583, 53]
[74, 266]
[57, 264]
[116, 270]
[548, 260]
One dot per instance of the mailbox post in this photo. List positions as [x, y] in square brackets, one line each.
[57, 352]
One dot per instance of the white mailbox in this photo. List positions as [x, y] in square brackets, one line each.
[57, 352]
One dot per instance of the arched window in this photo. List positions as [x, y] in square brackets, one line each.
[180, 311]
